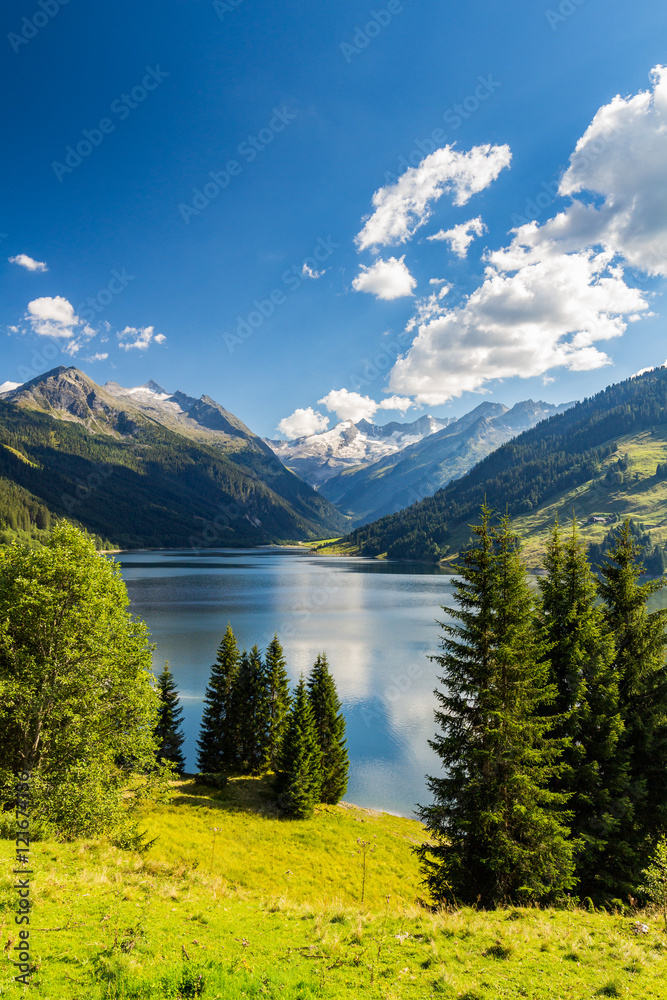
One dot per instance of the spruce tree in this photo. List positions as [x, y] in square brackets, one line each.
[586, 709]
[330, 728]
[640, 645]
[498, 832]
[168, 731]
[217, 736]
[299, 777]
[278, 697]
[250, 710]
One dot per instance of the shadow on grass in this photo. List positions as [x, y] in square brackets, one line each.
[241, 794]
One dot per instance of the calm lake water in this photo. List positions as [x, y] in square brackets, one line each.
[375, 620]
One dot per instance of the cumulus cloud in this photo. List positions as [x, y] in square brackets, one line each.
[303, 423]
[386, 279]
[528, 316]
[98, 357]
[353, 406]
[559, 289]
[401, 208]
[53, 317]
[139, 338]
[460, 237]
[400, 403]
[621, 159]
[23, 260]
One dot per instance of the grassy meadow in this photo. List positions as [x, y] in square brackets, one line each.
[232, 901]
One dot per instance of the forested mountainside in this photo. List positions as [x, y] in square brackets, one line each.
[600, 458]
[68, 448]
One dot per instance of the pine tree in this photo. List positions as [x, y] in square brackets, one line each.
[278, 696]
[299, 777]
[586, 709]
[217, 736]
[330, 728]
[641, 642]
[498, 831]
[168, 730]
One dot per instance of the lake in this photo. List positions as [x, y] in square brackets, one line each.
[376, 621]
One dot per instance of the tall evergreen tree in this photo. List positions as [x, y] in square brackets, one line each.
[330, 728]
[641, 642]
[299, 778]
[169, 728]
[498, 831]
[278, 696]
[586, 709]
[217, 736]
[250, 710]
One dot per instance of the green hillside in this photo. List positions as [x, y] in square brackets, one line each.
[599, 460]
[232, 902]
[139, 484]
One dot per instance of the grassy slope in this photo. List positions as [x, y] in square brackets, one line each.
[275, 911]
[643, 497]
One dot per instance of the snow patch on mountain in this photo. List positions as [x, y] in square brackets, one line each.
[318, 457]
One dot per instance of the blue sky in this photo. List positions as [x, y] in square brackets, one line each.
[216, 229]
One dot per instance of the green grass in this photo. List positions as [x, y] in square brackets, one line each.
[273, 909]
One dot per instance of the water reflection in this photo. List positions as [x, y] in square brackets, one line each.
[375, 619]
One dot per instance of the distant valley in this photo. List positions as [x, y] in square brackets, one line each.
[369, 471]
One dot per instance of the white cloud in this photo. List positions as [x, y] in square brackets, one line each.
[139, 337]
[531, 314]
[642, 371]
[308, 272]
[400, 403]
[353, 406]
[621, 158]
[303, 423]
[386, 279]
[98, 357]
[23, 260]
[52, 317]
[559, 289]
[401, 208]
[460, 237]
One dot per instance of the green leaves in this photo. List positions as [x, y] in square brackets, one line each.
[77, 707]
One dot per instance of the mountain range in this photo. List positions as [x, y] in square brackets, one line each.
[603, 459]
[320, 457]
[418, 469]
[143, 467]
